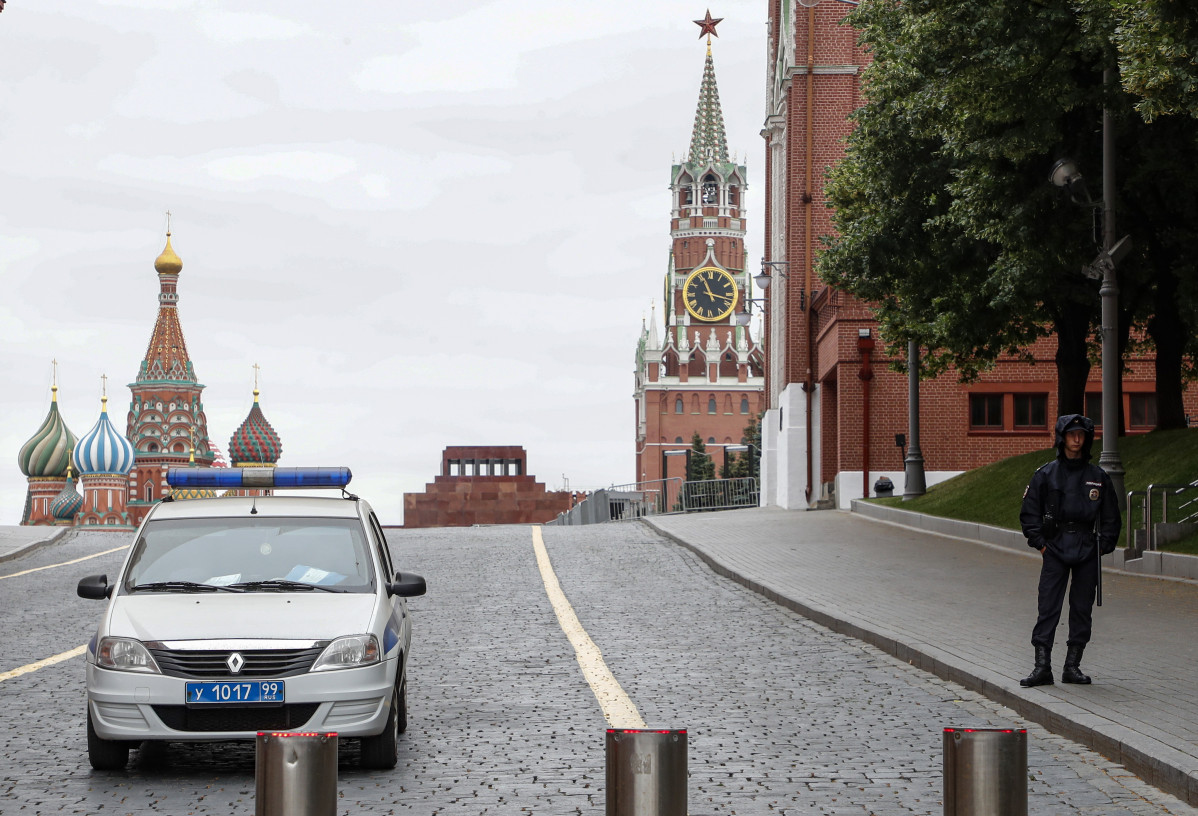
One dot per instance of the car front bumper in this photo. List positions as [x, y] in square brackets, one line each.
[133, 706]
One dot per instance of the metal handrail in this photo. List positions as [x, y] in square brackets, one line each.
[1150, 528]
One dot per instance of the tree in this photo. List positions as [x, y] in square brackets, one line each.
[1158, 52]
[748, 463]
[699, 466]
[946, 221]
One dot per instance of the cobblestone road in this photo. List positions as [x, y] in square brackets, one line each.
[783, 716]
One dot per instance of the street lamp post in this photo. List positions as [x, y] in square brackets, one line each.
[1065, 174]
[914, 481]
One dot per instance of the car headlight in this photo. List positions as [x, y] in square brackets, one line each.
[348, 653]
[125, 654]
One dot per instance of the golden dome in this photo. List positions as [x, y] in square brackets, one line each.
[168, 263]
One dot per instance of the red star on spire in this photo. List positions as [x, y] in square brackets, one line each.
[707, 24]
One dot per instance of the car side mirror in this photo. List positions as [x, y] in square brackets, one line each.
[95, 588]
[406, 586]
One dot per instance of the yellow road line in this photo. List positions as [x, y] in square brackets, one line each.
[63, 564]
[41, 664]
[618, 708]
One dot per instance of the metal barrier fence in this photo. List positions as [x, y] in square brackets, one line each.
[640, 499]
[720, 494]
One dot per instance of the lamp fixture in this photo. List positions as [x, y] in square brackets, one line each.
[767, 270]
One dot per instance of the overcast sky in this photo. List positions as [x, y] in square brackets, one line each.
[430, 224]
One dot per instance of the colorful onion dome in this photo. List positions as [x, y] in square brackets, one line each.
[68, 502]
[168, 263]
[102, 449]
[48, 453]
[255, 442]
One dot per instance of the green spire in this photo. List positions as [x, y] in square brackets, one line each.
[709, 142]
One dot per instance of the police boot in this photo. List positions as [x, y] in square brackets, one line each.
[1042, 672]
[1073, 658]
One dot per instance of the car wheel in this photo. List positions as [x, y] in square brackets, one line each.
[105, 755]
[382, 752]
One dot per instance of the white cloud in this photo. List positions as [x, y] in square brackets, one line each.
[236, 27]
[299, 165]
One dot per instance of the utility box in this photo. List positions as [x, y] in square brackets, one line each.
[646, 772]
[296, 774]
[985, 772]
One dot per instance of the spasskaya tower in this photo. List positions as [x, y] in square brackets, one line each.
[700, 371]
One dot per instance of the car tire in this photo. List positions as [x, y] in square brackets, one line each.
[381, 752]
[403, 705]
[105, 755]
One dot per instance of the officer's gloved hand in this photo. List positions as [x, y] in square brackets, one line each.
[1106, 546]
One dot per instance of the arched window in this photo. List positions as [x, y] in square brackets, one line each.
[711, 190]
[678, 440]
[744, 405]
[711, 409]
[728, 365]
[678, 406]
[711, 440]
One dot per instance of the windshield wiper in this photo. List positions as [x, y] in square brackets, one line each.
[180, 586]
[280, 585]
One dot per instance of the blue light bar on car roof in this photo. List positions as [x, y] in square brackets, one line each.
[257, 478]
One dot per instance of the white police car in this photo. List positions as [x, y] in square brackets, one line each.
[232, 616]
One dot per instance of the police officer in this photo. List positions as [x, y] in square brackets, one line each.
[1070, 514]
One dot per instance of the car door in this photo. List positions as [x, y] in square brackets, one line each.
[398, 626]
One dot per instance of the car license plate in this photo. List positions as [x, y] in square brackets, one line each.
[228, 692]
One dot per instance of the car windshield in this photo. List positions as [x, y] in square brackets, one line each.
[250, 555]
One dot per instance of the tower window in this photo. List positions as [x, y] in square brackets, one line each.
[711, 405]
[678, 407]
[711, 190]
[744, 405]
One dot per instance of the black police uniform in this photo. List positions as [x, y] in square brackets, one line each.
[1060, 507]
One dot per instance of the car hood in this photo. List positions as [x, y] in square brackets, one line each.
[255, 615]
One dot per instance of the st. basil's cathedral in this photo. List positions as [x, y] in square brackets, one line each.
[122, 476]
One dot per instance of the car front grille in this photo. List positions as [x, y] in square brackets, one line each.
[236, 718]
[259, 663]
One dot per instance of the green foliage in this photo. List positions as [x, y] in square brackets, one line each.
[946, 221]
[748, 463]
[700, 466]
[1158, 52]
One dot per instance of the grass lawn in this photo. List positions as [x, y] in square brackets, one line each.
[993, 494]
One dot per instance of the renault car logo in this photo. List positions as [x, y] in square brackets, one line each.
[235, 662]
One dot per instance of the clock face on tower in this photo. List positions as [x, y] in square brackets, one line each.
[710, 293]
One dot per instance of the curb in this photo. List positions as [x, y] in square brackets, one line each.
[1152, 760]
[36, 545]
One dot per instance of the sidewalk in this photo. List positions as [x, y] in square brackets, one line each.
[964, 611]
[16, 541]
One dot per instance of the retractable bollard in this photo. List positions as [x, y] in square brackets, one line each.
[646, 772]
[296, 774]
[985, 772]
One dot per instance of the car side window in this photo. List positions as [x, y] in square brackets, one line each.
[384, 550]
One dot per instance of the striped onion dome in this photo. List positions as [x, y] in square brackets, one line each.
[48, 453]
[68, 502]
[102, 449]
[255, 442]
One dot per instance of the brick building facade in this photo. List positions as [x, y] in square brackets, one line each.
[814, 438]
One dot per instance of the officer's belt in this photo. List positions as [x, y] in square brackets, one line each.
[1076, 527]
